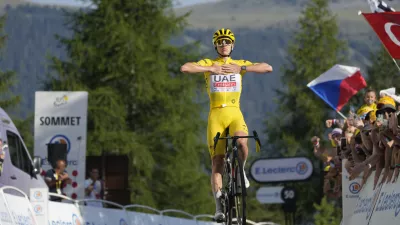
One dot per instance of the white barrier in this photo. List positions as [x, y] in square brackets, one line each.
[17, 206]
[373, 207]
[17, 209]
[64, 213]
[387, 207]
[350, 193]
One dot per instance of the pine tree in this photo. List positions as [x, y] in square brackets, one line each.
[139, 101]
[10, 102]
[301, 114]
[7, 79]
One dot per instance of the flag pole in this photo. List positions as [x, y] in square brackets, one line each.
[394, 60]
[341, 114]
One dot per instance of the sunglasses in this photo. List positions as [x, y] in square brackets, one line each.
[223, 42]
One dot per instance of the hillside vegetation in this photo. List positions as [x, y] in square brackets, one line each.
[263, 30]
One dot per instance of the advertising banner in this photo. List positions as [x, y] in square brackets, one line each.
[167, 220]
[270, 195]
[366, 200]
[387, 207]
[61, 117]
[19, 208]
[350, 192]
[100, 216]
[64, 213]
[39, 199]
[136, 218]
[281, 169]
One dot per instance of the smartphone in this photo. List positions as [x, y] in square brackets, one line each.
[343, 143]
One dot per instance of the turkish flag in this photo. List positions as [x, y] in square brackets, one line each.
[387, 26]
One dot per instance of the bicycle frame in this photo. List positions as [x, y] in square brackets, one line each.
[229, 191]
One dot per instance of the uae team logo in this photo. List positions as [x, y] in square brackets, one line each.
[61, 139]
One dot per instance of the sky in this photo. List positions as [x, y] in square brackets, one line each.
[79, 3]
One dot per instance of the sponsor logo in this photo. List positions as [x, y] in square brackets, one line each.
[38, 209]
[354, 188]
[389, 201]
[301, 168]
[22, 219]
[365, 206]
[5, 217]
[37, 195]
[75, 220]
[61, 101]
[225, 83]
[122, 222]
[45, 161]
[61, 139]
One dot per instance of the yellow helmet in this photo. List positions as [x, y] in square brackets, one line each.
[223, 34]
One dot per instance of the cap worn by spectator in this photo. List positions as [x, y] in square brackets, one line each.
[386, 104]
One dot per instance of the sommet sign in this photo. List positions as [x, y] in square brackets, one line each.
[281, 169]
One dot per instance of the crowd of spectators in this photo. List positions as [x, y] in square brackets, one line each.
[368, 139]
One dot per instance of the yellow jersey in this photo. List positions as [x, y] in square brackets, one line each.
[224, 90]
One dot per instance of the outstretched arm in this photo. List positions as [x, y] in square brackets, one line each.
[259, 68]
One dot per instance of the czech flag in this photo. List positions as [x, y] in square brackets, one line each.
[337, 85]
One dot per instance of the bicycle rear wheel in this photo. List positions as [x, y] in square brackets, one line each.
[227, 190]
[239, 193]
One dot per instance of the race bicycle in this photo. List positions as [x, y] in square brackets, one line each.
[233, 187]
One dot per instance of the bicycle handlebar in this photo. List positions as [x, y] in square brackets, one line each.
[255, 136]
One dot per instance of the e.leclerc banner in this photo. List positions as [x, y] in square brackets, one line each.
[350, 193]
[61, 117]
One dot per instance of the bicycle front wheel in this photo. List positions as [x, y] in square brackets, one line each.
[239, 193]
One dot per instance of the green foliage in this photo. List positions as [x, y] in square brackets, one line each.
[10, 102]
[139, 102]
[383, 73]
[327, 213]
[7, 78]
[301, 114]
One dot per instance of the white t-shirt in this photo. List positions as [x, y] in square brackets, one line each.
[94, 194]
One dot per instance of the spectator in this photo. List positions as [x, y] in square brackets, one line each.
[56, 178]
[369, 139]
[369, 100]
[93, 188]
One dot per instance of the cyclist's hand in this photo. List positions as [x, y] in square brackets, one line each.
[216, 69]
[231, 68]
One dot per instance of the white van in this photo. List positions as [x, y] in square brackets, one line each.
[18, 170]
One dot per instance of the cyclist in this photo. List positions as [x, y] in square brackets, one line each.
[223, 77]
